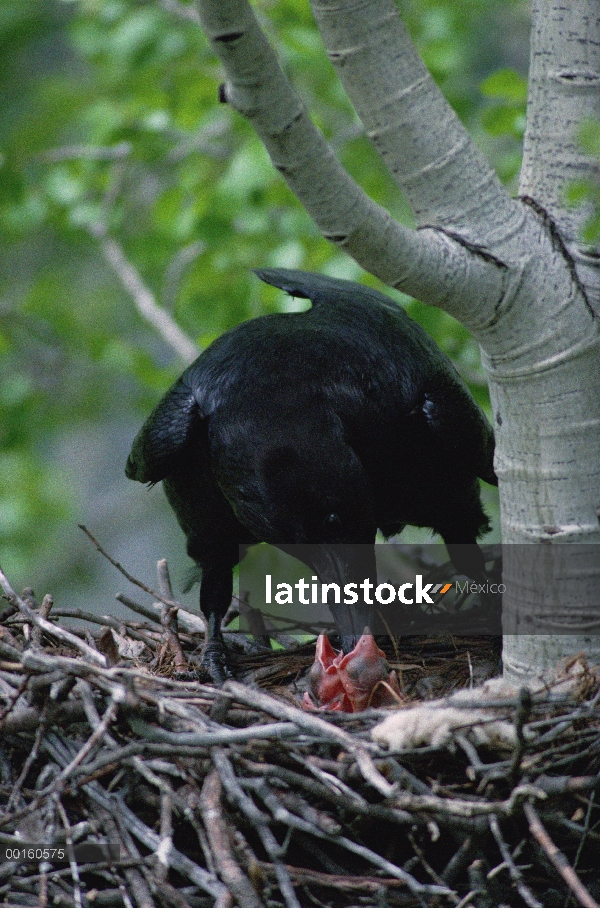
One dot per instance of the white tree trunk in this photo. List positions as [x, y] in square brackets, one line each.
[512, 271]
[550, 462]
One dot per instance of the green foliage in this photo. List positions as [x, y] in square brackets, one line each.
[504, 118]
[587, 192]
[506, 85]
[111, 119]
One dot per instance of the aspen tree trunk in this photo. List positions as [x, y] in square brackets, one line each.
[513, 271]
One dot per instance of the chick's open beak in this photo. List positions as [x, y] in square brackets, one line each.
[351, 682]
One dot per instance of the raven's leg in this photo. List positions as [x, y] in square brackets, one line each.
[215, 596]
[216, 588]
[468, 559]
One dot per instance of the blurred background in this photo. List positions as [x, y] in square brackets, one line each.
[124, 183]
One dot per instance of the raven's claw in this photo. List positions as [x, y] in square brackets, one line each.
[215, 661]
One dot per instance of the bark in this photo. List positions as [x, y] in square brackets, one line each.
[564, 92]
[512, 271]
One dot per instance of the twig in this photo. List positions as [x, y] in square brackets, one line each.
[190, 622]
[521, 716]
[178, 264]
[345, 882]
[458, 862]
[216, 830]
[187, 13]
[43, 611]
[478, 885]
[586, 830]
[428, 868]
[139, 609]
[28, 719]
[12, 701]
[238, 797]
[166, 833]
[558, 859]
[332, 790]
[32, 756]
[213, 737]
[164, 581]
[136, 632]
[72, 862]
[88, 152]
[134, 875]
[47, 626]
[123, 570]
[168, 619]
[514, 871]
[144, 300]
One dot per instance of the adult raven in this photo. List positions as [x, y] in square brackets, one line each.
[317, 427]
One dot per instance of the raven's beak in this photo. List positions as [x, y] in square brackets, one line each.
[342, 565]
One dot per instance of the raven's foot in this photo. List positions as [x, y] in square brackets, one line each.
[215, 660]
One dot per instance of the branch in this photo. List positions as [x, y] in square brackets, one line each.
[127, 575]
[558, 859]
[425, 264]
[58, 633]
[186, 13]
[564, 81]
[427, 150]
[515, 873]
[219, 840]
[143, 298]
[88, 152]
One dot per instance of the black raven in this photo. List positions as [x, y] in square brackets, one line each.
[317, 427]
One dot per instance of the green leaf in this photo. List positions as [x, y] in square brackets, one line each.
[505, 85]
[578, 191]
[589, 137]
[591, 231]
[504, 120]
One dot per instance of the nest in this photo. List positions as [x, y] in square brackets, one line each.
[237, 796]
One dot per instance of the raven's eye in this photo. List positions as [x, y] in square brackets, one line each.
[332, 521]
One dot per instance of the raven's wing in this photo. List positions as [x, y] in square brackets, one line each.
[452, 416]
[166, 434]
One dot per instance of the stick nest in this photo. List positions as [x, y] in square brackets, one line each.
[236, 796]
